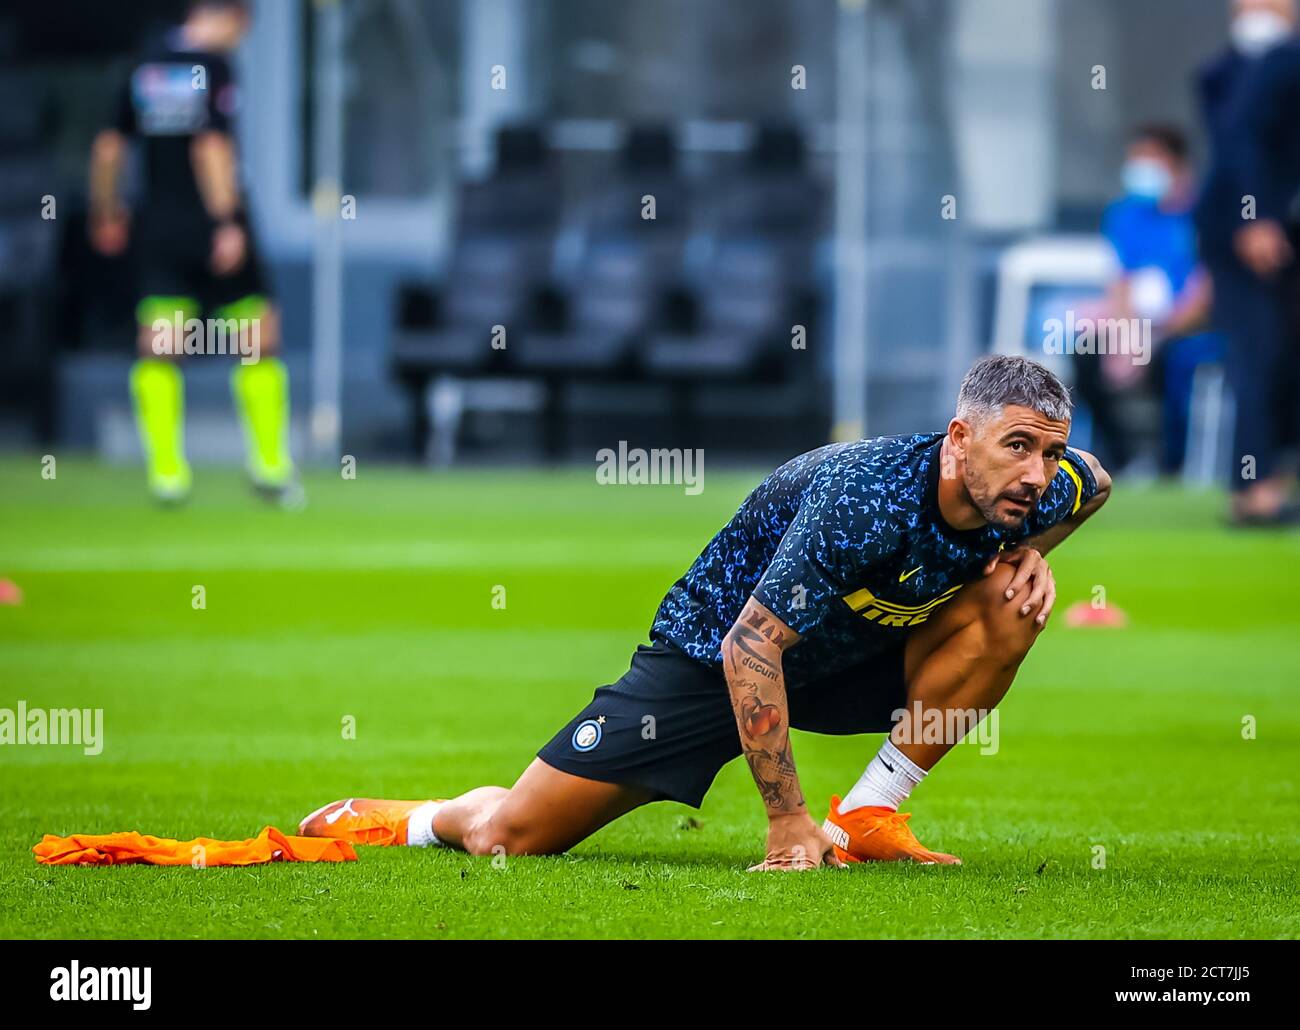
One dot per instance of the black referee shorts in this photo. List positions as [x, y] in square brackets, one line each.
[173, 271]
[668, 726]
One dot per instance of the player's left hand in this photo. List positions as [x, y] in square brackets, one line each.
[795, 844]
[1031, 569]
[229, 248]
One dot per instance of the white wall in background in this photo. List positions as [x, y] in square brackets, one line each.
[1003, 106]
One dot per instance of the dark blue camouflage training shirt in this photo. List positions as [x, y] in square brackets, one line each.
[847, 546]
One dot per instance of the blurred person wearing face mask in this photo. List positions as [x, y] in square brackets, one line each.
[1249, 226]
[1259, 26]
[1159, 282]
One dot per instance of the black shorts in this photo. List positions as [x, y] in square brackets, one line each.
[667, 725]
[174, 271]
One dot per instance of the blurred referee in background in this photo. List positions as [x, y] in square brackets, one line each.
[1250, 101]
[195, 244]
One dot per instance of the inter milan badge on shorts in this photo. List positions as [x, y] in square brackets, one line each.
[587, 735]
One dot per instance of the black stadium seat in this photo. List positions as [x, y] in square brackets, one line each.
[500, 257]
[499, 261]
[28, 251]
[701, 293]
[750, 279]
[608, 296]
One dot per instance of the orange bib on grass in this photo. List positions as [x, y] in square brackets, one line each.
[128, 848]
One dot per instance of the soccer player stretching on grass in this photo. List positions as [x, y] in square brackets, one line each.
[858, 581]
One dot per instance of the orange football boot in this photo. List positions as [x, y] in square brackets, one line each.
[361, 821]
[873, 834]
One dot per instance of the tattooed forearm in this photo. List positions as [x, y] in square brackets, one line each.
[753, 628]
[774, 774]
[751, 656]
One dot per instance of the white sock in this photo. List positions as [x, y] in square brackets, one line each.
[886, 782]
[419, 826]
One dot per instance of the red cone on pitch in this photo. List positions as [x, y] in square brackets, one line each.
[1084, 613]
[9, 592]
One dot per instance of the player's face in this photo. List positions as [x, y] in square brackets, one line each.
[1009, 460]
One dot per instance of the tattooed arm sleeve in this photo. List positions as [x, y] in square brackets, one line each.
[751, 659]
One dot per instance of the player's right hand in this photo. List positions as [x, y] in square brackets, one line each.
[795, 843]
[1033, 571]
[109, 233]
[1264, 248]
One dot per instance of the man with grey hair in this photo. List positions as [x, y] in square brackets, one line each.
[883, 585]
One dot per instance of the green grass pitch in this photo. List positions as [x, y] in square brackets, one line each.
[376, 603]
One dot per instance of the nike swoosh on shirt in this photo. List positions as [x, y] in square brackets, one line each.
[903, 577]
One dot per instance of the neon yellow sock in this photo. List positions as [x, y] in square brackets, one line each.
[262, 396]
[158, 391]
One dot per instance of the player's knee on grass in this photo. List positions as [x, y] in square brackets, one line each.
[501, 829]
[508, 832]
